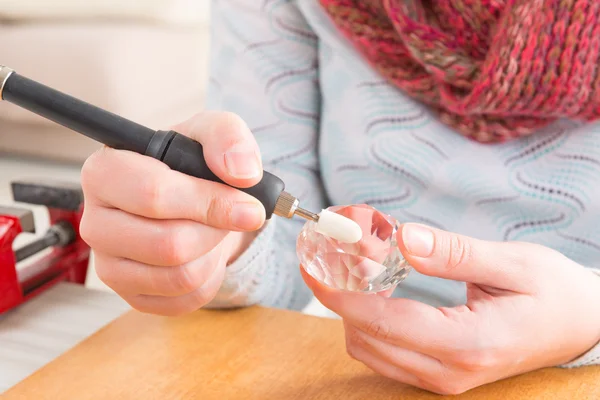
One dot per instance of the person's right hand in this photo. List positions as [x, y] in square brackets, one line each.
[162, 239]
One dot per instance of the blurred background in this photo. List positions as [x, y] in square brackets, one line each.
[143, 59]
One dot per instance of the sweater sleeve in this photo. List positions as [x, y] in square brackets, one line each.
[264, 68]
[592, 357]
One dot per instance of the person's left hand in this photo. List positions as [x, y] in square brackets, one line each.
[528, 307]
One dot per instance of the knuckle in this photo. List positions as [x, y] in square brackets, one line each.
[477, 361]
[102, 271]
[174, 246]
[229, 129]
[530, 254]
[460, 251]
[87, 229]
[520, 253]
[217, 209]
[107, 271]
[154, 194]
[379, 328]
[228, 122]
[183, 279]
[89, 171]
[106, 274]
[200, 297]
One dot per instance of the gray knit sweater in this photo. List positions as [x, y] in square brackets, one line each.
[336, 133]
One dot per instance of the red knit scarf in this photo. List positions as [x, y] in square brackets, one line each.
[492, 69]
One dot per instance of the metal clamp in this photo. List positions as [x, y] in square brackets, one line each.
[5, 73]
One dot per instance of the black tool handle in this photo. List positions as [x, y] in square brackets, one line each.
[186, 155]
[179, 152]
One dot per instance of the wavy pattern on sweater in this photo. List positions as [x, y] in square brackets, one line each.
[535, 189]
[337, 133]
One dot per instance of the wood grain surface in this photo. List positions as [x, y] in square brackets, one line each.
[45, 327]
[248, 354]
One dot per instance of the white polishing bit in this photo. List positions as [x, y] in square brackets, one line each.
[338, 227]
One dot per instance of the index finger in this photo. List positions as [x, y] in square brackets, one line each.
[405, 322]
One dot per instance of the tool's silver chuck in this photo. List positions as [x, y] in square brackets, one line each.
[287, 207]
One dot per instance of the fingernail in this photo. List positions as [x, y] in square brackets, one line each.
[247, 216]
[243, 163]
[418, 240]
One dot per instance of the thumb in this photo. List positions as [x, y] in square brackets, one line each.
[230, 150]
[502, 265]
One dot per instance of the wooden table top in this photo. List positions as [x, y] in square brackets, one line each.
[248, 354]
[50, 324]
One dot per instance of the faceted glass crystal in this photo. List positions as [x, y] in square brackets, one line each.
[374, 264]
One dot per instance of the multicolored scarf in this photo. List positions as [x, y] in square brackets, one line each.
[493, 70]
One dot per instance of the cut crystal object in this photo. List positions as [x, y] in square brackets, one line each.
[373, 264]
